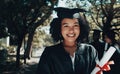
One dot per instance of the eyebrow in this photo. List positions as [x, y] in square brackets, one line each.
[76, 23]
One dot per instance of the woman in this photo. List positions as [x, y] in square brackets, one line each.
[69, 56]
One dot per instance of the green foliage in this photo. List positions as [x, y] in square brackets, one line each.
[41, 39]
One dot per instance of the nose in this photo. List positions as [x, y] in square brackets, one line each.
[71, 29]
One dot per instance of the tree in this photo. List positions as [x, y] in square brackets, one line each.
[23, 17]
[105, 11]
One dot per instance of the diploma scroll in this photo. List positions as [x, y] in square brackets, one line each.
[104, 59]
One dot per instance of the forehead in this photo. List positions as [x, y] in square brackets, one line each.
[69, 19]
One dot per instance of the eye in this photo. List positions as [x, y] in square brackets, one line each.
[76, 25]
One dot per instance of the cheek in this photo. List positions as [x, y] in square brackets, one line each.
[77, 31]
[63, 32]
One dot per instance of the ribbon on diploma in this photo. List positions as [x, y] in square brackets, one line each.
[104, 63]
[106, 67]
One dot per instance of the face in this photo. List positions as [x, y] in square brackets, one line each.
[70, 29]
[108, 40]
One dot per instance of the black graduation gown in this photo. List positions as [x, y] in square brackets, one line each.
[55, 60]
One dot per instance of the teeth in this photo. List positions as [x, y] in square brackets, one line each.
[71, 35]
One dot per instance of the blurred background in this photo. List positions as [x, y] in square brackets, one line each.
[24, 28]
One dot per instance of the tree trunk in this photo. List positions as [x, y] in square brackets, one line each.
[31, 34]
[27, 53]
[107, 25]
[18, 54]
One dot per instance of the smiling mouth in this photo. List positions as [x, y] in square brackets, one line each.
[71, 35]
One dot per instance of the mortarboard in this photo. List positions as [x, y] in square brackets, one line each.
[68, 13]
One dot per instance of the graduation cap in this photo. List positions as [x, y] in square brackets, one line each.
[68, 13]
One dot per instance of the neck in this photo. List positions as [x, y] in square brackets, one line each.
[69, 44]
[70, 47]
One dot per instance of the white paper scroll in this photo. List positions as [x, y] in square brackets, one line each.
[106, 57]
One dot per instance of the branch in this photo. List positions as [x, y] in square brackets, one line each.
[103, 10]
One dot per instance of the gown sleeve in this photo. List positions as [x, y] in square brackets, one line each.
[43, 65]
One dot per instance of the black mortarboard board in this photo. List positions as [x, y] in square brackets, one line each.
[67, 12]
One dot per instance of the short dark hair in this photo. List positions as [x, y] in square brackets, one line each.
[55, 29]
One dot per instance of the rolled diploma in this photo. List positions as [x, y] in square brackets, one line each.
[104, 59]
